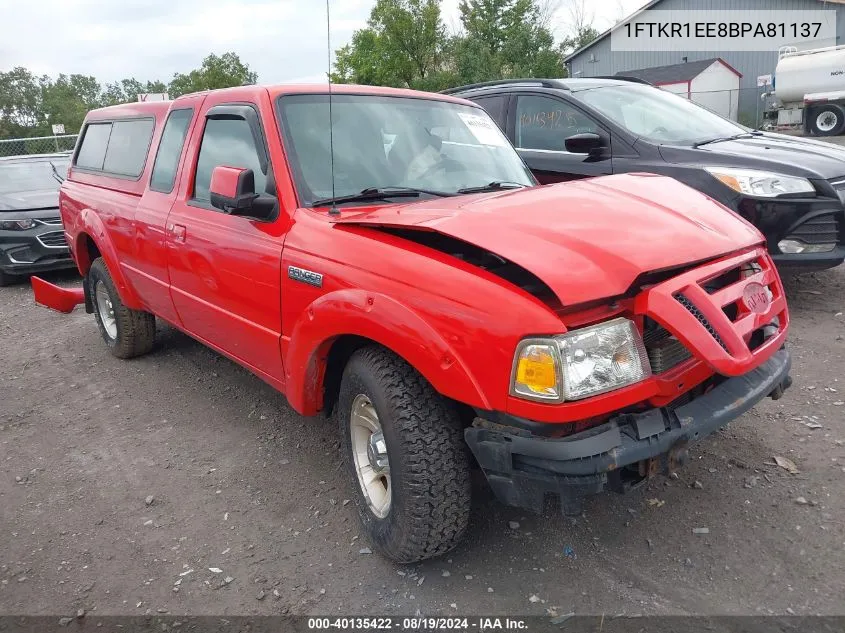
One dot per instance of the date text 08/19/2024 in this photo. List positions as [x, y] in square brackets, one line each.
[418, 623]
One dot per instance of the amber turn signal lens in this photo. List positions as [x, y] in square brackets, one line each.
[537, 372]
[730, 181]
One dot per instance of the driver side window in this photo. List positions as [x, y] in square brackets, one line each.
[545, 123]
[226, 142]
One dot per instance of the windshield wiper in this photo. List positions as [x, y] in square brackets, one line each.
[734, 137]
[496, 185]
[380, 193]
[56, 173]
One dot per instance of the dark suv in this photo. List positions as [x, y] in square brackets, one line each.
[32, 238]
[792, 189]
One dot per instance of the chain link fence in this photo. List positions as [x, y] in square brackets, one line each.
[37, 145]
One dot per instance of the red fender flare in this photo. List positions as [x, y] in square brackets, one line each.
[92, 227]
[383, 320]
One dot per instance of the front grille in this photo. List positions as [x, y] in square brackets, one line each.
[56, 221]
[54, 239]
[703, 299]
[723, 280]
[821, 229]
[663, 349]
[690, 306]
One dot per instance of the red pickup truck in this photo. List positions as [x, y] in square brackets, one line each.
[385, 257]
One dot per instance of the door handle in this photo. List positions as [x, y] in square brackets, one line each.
[177, 231]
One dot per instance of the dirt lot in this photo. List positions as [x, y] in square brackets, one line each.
[838, 140]
[241, 484]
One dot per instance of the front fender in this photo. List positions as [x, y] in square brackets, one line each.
[91, 226]
[381, 319]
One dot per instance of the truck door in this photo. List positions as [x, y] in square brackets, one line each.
[541, 126]
[225, 270]
[147, 264]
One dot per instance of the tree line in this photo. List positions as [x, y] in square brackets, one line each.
[30, 105]
[407, 44]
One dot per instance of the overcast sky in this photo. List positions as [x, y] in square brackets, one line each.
[282, 40]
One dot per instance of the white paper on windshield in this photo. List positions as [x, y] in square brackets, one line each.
[483, 129]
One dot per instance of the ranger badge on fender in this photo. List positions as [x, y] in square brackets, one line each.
[305, 276]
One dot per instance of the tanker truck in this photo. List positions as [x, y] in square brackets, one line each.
[809, 90]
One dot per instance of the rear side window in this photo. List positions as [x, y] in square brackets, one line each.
[128, 146]
[116, 147]
[227, 142]
[169, 150]
[495, 107]
[92, 152]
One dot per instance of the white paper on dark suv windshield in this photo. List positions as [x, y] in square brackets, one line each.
[483, 129]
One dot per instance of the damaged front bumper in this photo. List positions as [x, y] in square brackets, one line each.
[523, 468]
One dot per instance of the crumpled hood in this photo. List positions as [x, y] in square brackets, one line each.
[588, 239]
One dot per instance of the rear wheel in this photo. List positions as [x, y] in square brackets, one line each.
[404, 448]
[828, 120]
[127, 332]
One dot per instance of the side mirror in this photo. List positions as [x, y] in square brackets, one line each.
[232, 189]
[586, 143]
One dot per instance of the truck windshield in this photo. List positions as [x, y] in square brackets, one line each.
[25, 175]
[658, 115]
[393, 142]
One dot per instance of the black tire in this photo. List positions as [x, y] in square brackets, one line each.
[825, 113]
[429, 469]
[135, 329]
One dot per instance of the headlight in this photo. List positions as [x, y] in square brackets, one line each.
[761, 183]
[602, 358]
[16, 225]
[582, 363]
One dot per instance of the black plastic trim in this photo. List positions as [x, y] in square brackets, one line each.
[806, 262]
[520, 466]
[543, 83]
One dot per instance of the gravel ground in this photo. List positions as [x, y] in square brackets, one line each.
[180, 483]
[838, 140]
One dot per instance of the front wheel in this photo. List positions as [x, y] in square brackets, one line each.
[127, 332]
[404, 448]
